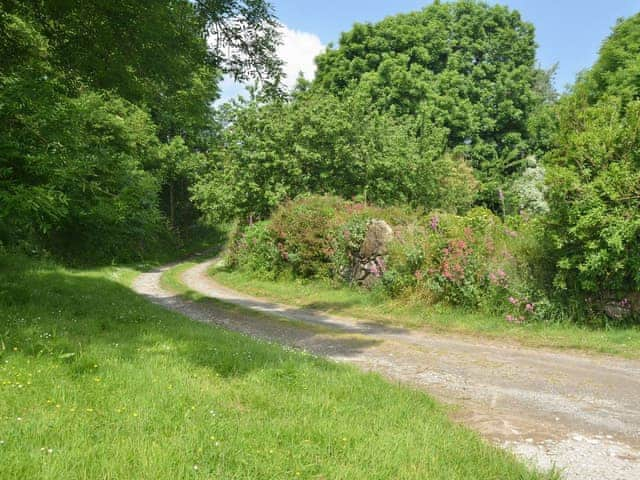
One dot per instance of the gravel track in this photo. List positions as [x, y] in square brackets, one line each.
[578, 412]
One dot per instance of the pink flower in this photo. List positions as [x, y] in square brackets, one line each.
[513, 301]
[435, 221]
[530, 308]
[510, 318]
[419, 275]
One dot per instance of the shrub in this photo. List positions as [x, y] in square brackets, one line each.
[254, 249]
[594, 220]
[475, 260]
[306, 233]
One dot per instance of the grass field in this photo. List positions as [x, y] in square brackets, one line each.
[357, 303]
[98, 383]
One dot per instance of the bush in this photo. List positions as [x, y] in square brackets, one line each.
[475, 260]
[306, 233]
[594, 179]
[254, 249]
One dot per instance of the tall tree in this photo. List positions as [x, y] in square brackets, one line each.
[106, 104]
[593, 174]
[617, 71]
[464, 66]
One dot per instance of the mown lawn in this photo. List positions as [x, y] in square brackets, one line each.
[357, 303]
[98, 383]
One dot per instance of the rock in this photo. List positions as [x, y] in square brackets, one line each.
[379, 234]
[368, 266]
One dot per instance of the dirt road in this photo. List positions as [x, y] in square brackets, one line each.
[578, 412]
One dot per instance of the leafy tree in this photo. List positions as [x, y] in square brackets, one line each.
[107, 108]
[463, 66]
[593, 174]
[72, 167]
[322, 144]
[617, 71]
[155, 53]
[594, 196]
[165, 56]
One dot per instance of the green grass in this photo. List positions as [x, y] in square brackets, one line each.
[96, 382]
[357, 303]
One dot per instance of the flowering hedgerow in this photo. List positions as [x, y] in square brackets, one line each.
[472, 260]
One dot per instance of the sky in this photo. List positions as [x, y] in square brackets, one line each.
[568, 32]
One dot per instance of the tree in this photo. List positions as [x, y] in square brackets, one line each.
[106, 109]
[463, 66]
[594, 196]
[165, 56]
[319, 143]
[73, 167]
[156, 53]
[593, 174]
[617, 71]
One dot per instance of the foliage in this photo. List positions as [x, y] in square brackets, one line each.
[255, 249]
[305, 233]
[527, 193]
[158, 55]
[107, 111]
[72, 168]
[594, 196]
[463, 66]
[593, 226]
[617, 71]
[472, 261]
[318, 143]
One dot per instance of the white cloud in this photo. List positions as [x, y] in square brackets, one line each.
[298, 51]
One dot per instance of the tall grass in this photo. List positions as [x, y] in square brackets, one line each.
[96, 382]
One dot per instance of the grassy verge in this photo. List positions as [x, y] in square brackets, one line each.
[96, 382]
[345, 301]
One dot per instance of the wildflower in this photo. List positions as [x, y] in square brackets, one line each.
[510, 318]
[373, 269]
[513, 301]
[435, 222]
[419, 275]
[530, 308]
